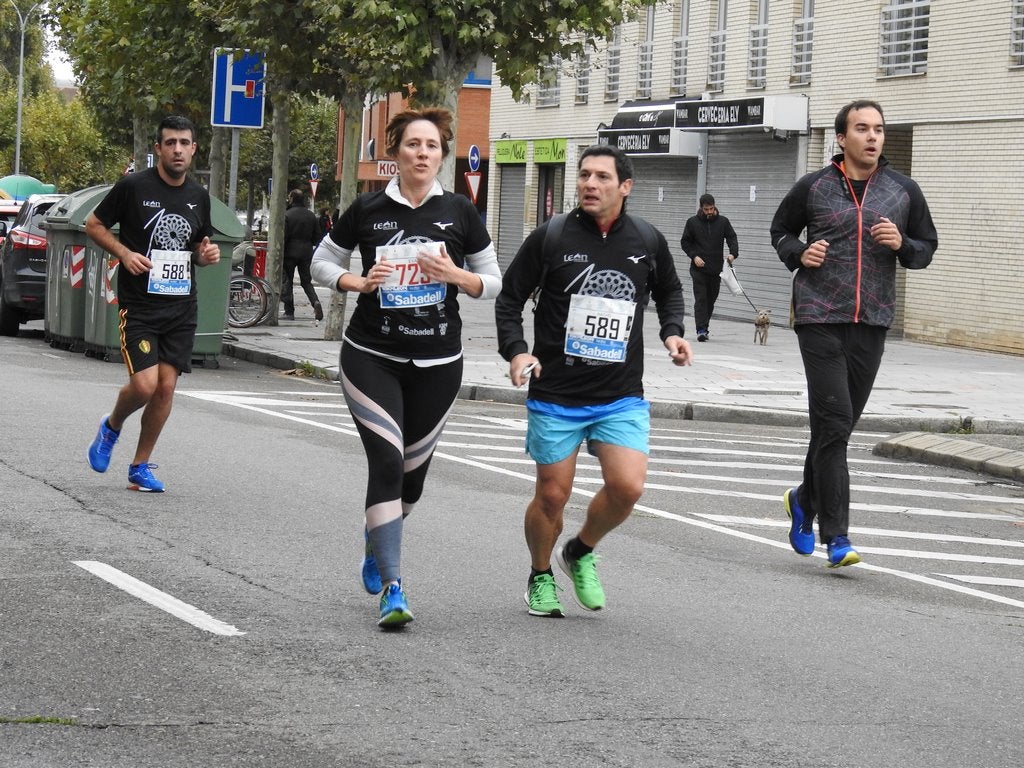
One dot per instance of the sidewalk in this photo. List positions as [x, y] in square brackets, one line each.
[954, 407]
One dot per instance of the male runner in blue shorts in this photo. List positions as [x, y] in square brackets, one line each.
[586, 369]
[165, 228]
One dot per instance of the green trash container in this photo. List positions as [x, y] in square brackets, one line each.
[66, 269]
[212, 286]
[54, 267]
[102, 334]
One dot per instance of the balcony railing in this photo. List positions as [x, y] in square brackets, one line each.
[803, 45]
[716, 63]
[757, 64]
[904, 43]
[678, 83]
[644, 70]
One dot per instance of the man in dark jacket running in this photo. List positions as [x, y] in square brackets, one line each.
[702, 243]
[862, 218]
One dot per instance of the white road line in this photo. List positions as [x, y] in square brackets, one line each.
[929, 493]
[948, 556]
[795, 460]
[763, 522]
[798, 467]
[529, 476]
[760, 454]
[155, 597]
[707, 525]
[587, 464]
[991, 581]
[266, 412]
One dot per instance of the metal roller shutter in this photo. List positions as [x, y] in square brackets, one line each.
[737, 162]
[664, 194]
[513, 214]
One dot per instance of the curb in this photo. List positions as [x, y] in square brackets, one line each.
[936, 440]
[947, 451]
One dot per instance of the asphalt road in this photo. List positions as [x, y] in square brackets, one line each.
[719, 646]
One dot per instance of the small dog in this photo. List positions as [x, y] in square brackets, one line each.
[762, 323]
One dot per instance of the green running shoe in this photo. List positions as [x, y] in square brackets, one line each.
[542, 596]
[587, 587]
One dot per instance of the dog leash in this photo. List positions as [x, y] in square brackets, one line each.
[733, 270]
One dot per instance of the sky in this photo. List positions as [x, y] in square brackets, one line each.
[62, 74]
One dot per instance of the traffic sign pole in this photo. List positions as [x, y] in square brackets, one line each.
[473, 177]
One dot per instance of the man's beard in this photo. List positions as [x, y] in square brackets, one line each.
[174, 173]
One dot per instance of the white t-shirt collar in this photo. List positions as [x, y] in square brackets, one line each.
[395, 193]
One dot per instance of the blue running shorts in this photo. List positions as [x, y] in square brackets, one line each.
[554, 432]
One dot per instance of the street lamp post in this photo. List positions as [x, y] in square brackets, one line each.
[23, 19]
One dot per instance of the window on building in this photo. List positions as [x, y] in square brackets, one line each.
[645, 59]
[757, 63]
[583, 78]
[904, 44]
[803, 45]
[613, 64]
[549, 89]
[1017, 34]
[680, 43]
[716, 45]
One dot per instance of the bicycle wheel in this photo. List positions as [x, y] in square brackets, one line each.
[247, 302]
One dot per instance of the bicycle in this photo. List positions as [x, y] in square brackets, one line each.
[248, 295]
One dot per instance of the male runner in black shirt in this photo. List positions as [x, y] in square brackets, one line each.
[165, 228]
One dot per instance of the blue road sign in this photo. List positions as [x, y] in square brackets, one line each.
[474, 158]
[238, 92]
[314, 172]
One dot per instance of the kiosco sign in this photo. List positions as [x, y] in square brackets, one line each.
[387, 168]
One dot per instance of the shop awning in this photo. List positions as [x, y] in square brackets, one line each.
[673, 127]
[634, 115]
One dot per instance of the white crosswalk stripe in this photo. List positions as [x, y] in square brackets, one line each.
[731, 480]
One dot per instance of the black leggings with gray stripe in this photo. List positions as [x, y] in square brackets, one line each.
[399, 409]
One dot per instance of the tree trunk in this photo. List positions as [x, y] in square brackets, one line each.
[218, 145]
[352, 133]
[142, 143]
[281, 136]
[449, 99]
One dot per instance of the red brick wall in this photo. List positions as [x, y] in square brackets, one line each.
[473, 126]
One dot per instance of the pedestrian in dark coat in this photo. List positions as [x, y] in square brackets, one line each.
[702, 242]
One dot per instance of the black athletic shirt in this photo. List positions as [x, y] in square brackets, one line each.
[374, 219]
[153, 214]
[584, 261]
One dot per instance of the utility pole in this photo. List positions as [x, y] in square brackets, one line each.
[23, 19]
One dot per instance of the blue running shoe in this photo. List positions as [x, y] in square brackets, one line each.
[394, 609]
[371, 576]
[140, 478]
[102, 446]
[801, 531]
[841, 552]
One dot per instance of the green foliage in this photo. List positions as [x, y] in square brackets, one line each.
[37, 72]
[437, 53]
[314, 134]
[62, 146]
[137, 59]
[60, 143]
